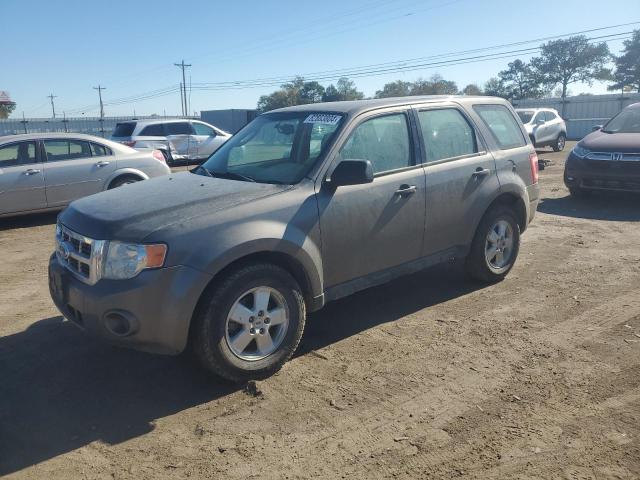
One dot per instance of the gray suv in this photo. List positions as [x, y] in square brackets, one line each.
[303, 206]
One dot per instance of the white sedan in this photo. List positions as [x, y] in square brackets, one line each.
[47, 171]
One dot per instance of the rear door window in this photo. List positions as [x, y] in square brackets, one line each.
[446, 134]
[156, 130]
[549, 116]
[16, 154]
[178, 128]
[503, 126]
[59, 150]
[124, 129]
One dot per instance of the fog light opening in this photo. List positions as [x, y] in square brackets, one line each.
[118, 324]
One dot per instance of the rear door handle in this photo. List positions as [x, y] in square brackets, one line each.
[481, 172]
[32, 171]
[406, 190]
[102, 163]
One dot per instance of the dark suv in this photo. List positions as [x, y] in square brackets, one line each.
[305, 205]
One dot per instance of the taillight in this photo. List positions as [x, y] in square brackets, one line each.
[129, 143]
[157, 154]
[533, 159]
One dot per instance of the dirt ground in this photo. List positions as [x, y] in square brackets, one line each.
[431, 376]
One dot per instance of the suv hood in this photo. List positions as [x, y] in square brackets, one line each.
[132, 212]
[612, 142]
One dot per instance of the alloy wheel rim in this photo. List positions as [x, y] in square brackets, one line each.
[257, 323]
[499, 245]
[561, 143]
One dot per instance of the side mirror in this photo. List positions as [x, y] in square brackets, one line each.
[351, 172]
[595, 128]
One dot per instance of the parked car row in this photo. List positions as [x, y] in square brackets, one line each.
[179, 140]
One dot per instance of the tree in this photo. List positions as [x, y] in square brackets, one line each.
[436, 85]
[7, 109]
[520, 81]
[295, 92]
[472, 89]
[344, 89]
[566, 61]
[627, 74]
[399, 88]
[494, 87]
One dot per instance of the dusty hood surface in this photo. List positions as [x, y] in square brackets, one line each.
[132, 212]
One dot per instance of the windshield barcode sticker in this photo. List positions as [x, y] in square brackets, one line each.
[323, 118]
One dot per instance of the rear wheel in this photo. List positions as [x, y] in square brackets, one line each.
[123, 180]
[250, 324]
[495, 246]
[560, 142]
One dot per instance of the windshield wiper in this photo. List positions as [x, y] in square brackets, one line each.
[231, 176]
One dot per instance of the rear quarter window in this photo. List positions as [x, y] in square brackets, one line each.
[124, 129]
[503, 126]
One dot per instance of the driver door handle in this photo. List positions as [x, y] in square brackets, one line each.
[481, 172]
[406, 190]
[32, 171]
[102, 163]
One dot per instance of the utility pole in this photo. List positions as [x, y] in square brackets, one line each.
[100, 88]
[183, 88]
[53, 107]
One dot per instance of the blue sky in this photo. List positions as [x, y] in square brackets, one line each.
[67, 47]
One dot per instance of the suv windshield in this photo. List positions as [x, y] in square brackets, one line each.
[627, 121]
[525, 116]
[275, 147]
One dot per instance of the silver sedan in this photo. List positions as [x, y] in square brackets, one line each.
[42, 172]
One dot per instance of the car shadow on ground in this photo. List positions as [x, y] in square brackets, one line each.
[617, 207]
[61, 390]
[27, 221]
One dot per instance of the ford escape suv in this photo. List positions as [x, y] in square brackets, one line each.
[303, 206]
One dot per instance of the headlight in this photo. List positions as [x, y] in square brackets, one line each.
[126, 260]
[580, 152]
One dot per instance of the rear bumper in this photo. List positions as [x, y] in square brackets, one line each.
[156, 306]
[602, 175]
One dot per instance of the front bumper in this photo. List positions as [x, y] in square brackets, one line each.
[586, 174]
[156, 306]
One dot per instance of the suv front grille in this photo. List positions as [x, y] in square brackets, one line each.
[81, 255]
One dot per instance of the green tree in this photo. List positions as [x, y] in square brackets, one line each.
[436, 85]
[295, 92]
[494, 87]
[399, 88]
[566, 61]
[7, 109]
[344, 89]
[627, 74]
[472, 89]
[520, 81]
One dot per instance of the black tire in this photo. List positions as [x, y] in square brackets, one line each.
[478, 267]
[210, 330]
[123, 180]
[560, 142]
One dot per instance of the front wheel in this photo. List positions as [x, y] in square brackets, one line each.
[495, 246]
[249, 324]
[560, 142]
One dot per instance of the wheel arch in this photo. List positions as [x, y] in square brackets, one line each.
[512, 200]
[124, 172]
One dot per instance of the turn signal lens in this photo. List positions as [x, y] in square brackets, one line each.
[155, 255]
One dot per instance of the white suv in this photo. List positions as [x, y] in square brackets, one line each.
[545, 127]
[179, 140]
